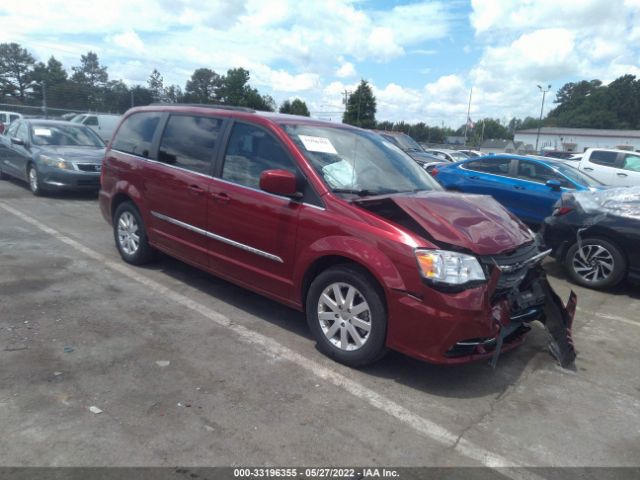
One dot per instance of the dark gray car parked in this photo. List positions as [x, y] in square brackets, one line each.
[52, 155]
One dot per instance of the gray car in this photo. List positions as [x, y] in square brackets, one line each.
[52, 155]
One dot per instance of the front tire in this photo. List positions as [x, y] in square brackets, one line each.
[600, 264]
[347, 316]
[35, 185]
[131, 236]
[3, 176]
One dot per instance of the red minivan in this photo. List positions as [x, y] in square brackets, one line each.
[334, 221]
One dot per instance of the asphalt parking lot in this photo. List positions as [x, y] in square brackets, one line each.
[191, 370]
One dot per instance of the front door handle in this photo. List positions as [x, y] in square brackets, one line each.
[196, 190]
[588, 169]
[220, 197]
[518, 187]
[473, 177]
[622, 174]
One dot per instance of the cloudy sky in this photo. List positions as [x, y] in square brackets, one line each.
[422, 58]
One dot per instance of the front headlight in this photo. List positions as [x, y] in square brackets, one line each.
[452, 268]
[56, 162]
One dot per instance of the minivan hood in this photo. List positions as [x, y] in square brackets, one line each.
[476, 223]
[74, 153]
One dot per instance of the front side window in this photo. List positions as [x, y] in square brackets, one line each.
[631, 162]
[602, 157]
[11, 131]
[358, 162]
[535, 172]
[136, 133]
[13, 118]
[92, 121]
[495, 166]
[189, 142]
[250, 152]
[64, 134]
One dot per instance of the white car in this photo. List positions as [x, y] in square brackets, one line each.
[448, 155]
[612, 167]
[103, 125]
[8, 117]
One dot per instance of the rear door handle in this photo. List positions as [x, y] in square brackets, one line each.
[517, 187]
[196, 190]
[473, 177]
[622, 174]
[220, 197]
[588, 169]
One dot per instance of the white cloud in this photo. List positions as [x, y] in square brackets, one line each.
[346, 70]
[128, 40]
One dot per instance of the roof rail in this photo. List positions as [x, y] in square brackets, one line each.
[205, 105]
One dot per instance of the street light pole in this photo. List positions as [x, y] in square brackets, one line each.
[44, 99]
[544, 93]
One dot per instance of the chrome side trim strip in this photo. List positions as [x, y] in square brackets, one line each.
[222, 239]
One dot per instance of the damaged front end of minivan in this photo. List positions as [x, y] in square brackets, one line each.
[514, 291]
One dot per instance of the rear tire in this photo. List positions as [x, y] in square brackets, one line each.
[600, 265]
[347, 316]
[131, 236]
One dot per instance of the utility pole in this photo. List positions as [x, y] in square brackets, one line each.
[44, 99]
[544, 93]
[466, 123]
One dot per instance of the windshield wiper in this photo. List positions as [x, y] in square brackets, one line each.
[360, 192]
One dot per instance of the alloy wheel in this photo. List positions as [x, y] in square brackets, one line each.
[33, 180]
[344, 316]
[128, 235]
[593, 263]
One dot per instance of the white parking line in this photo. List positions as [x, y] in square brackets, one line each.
[607, 316]
[273, 348]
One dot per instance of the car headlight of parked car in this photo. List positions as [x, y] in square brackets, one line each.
[56, 162]
[451, 268]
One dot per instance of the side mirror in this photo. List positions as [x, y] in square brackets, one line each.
[280, 182]
[17, 141]
[554, 184]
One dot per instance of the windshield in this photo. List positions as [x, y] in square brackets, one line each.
[359, 162]
[575, 175]
[75, 135]
[78, 118]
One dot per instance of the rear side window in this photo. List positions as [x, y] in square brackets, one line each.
[136, 133]
[189, 142]
[250, 152]
[3, 118]
[13, 118]
[496, 166]
[602, 157]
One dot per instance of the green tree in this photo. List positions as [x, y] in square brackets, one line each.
[155, 83]
[361, 107]
[90, 72]
[295, 107]
[203, 86]
[52, 75]
[234, 87]
[16, 66]
[174, 94]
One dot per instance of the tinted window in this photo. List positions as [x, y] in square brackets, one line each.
[13, 118]
[631, 162]
[189, 142]
[603, 158]
[251, 151]
[3, 117]
[496, 166]
[92, 121]
[535, 172]
[136, 133]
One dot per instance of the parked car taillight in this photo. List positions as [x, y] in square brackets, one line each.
[558, 212]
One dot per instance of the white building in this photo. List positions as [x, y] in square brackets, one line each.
[579, 139]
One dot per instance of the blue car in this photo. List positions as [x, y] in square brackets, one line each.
[527, 186]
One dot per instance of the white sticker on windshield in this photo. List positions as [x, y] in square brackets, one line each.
[42, 132]
[317, 144]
